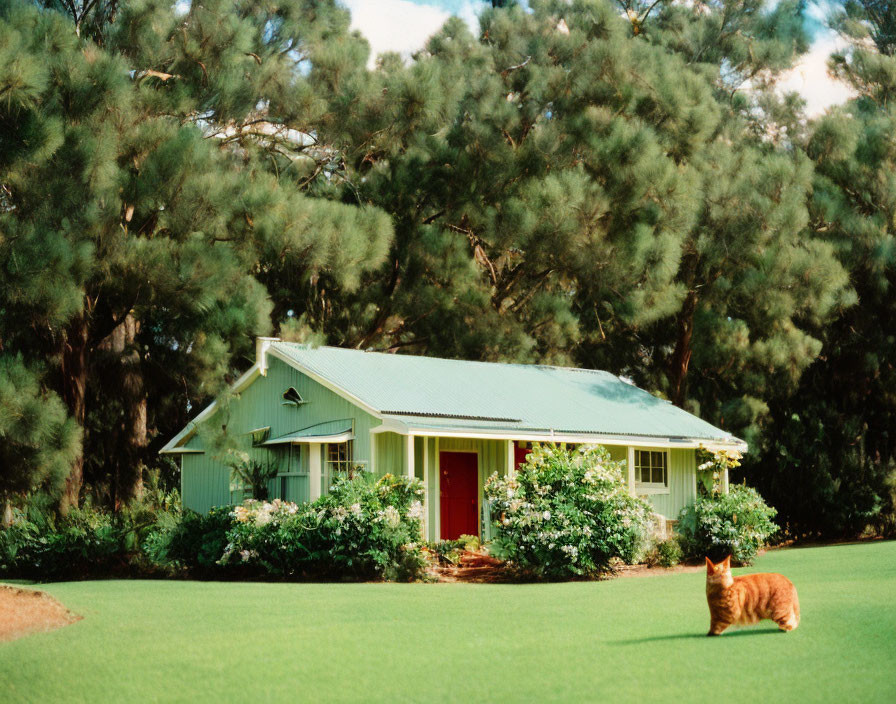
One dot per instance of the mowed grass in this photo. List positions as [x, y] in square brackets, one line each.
[622, 640]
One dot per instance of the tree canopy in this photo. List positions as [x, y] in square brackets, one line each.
[617, 185]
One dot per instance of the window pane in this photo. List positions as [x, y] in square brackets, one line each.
[657, 475]
[656, 459]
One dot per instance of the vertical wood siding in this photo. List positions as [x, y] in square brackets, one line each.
[206, 481]
[390, 457]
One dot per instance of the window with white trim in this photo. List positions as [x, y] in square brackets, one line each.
[651, 469]
[339, 457]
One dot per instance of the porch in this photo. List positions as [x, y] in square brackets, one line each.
[454, 470]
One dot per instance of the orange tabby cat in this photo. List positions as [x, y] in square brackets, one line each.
[748, 599]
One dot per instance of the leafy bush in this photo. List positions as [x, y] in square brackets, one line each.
[83, 543]
[566, 514]
[195, 542]
[737, 523]
[664, 553]
[86, 542]
[363, 528]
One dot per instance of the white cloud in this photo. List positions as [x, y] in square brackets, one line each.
[395, 25]
[811, 79]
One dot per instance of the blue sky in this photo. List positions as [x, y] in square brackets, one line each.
[404, 26]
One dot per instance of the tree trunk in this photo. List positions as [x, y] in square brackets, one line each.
[681, 357]
[126, 466]
[74, 393]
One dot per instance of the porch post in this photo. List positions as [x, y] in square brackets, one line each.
[314, 471]
[725, 482]
[372, 465]
[426, 488]
[511, 459]
[409, 455]
[630, 464]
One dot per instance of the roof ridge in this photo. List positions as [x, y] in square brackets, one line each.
[309, 347]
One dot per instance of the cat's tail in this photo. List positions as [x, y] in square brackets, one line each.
[796, 608]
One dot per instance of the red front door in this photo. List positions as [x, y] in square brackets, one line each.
[520, 454]
[459, 494]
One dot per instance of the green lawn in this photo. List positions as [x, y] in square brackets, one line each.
[621, 640]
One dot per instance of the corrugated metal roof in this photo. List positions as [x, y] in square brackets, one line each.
[447, 393]
[320, 431]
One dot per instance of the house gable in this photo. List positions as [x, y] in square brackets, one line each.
[260, 405]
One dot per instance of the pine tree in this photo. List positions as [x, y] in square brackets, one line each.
[565, 191]
[150, 171]
[38, 440]
[519, 168]
[838, 427]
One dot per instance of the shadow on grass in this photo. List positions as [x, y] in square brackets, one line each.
[691, 636]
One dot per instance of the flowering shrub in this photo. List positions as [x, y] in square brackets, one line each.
[363, 529]
[566, 513]
[737, 523]
[713, 463]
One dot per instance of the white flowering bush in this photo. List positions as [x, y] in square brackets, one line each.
[566, 514]
[737, 523]
[364, 528]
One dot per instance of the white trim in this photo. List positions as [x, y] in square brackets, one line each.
[644, 490]
[314, 473]
[309, 439]
[409, 456]
[425, 488]
[511, 459]
[577, 438]
[725, 485]
[239, 385]
[630, 466]
[338, 390]
[262, 344]
[390, 425]
[372, 452]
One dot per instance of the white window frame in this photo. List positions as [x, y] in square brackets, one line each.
[651, 487]
[336, 466]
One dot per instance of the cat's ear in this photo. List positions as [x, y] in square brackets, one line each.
[726, 563]
[710, 568]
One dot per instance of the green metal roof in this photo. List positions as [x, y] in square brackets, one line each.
[427, 392]
[315, 433]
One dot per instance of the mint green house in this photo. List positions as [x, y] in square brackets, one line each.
[315, 412]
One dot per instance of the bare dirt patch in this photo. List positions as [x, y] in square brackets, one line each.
[25, 611]
[645, 571]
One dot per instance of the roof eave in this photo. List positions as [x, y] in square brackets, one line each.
[530, 435]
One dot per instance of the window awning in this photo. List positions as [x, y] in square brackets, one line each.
[330, 431]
